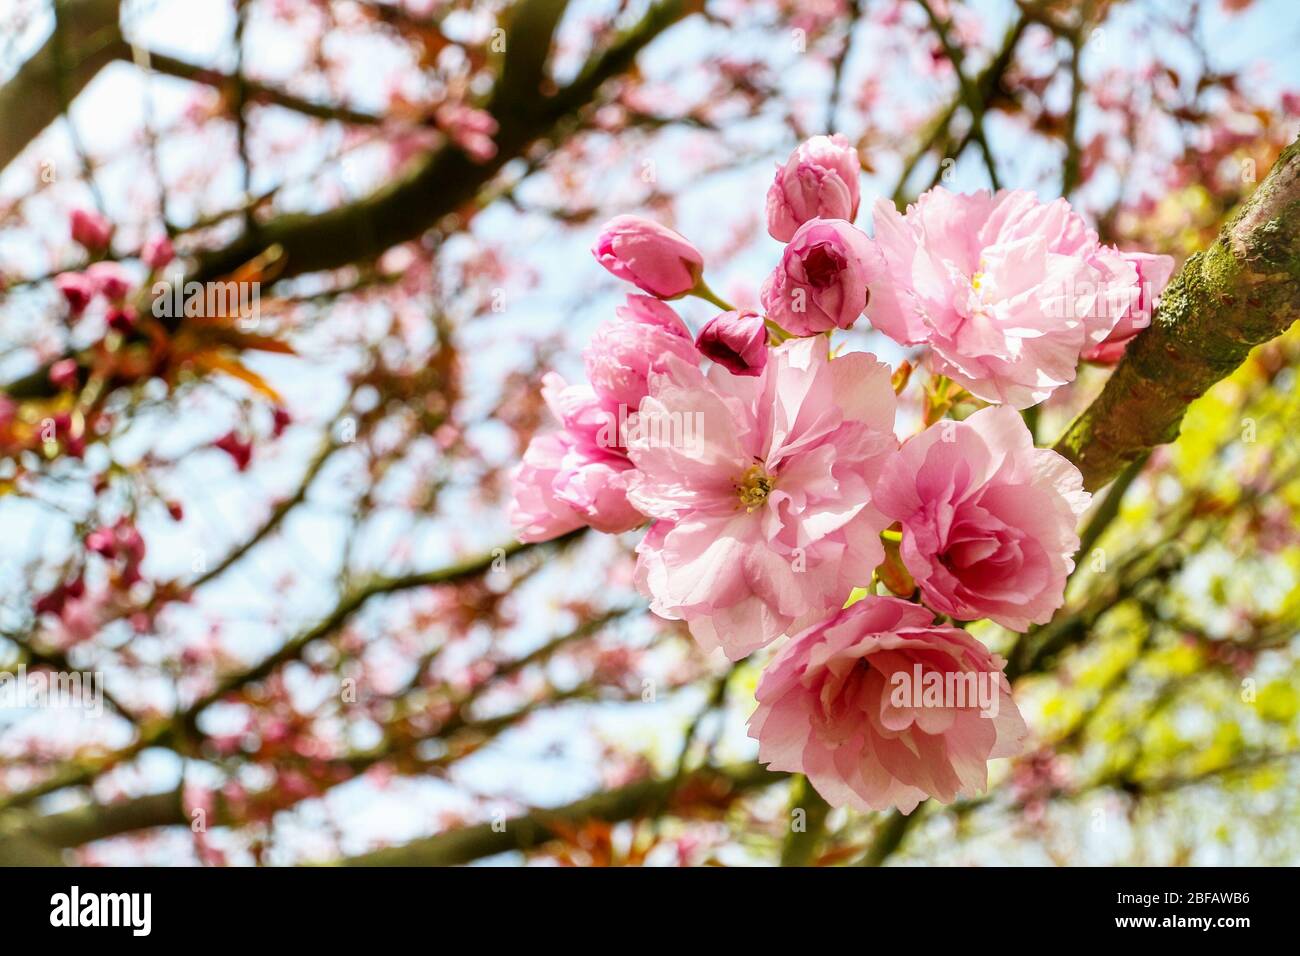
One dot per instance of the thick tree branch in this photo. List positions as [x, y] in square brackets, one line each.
[447, 180]
[85, 39]
[1239, 293]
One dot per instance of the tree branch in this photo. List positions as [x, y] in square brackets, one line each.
[532, 829]
[86, 38]
[447, 180]
[1239, 293]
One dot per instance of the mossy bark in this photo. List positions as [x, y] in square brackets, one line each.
[1242, 291]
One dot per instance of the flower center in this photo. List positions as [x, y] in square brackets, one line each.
[822, 265]
[754, 487]
[976, 281]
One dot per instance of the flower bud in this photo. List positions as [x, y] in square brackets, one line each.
[735, 340]
[650, 256]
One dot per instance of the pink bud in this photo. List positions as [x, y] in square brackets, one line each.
[91, 230]
[110, 279]
[77, 290]
[239, 449]
[471, 129]
[122, 319]
[735, 340]
[650, 256]
[64, 374]
[280, 420]
[157, 252]
[819, 181]
[102, 542]
[821, 283]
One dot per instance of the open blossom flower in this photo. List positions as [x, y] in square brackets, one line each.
[624, 351]
[650, 256]
[1006, 290]
[761, 491]
[1153, 274]
[882, 708]
[818, 181]
[821, 281]
[576, 476]
[988, 519]
[736, 340]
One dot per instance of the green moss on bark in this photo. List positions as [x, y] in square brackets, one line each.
[1240, 292]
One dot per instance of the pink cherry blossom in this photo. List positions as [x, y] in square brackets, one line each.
[821, 281]
[623, 351]
[90, 229]
[111, 279]
[1006, 290]
[736, 340]
[576, 476]
[1153, 274]
[157, 252]
[77, 290]
[470, 128]
[988, 519]
[65, 374]
[761, 491]
[882, 708]
[79, 619]
[650, 256]
[818, 181]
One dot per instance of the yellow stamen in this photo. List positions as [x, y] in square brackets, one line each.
[754, 487]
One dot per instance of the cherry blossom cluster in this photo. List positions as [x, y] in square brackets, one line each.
[765, 464]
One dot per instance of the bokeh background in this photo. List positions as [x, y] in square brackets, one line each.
[327, 646]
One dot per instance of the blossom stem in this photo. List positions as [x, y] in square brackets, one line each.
[775, 333]
[702, 291]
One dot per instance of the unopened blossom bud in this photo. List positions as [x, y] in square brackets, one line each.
[111, 280]
[91, 230]
[736, 340]
[157, 252]
[652, 257]
[102, 542]
[77, 290]
[821, 281]
[122, 319]
[818, 181]
[64, 374]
